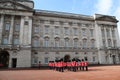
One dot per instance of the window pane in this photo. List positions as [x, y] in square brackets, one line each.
[56, 30]
[66, 43]
[75, 43]
[46, 29]
[36, 43]
[75, 32]
[5, 41]
[16, 41]
[56, 43]
[17, 27]
[46, 42]
[36, 29]
[91, 32]
[66, 31]
[7, 26]
[46, 60]
[83, 32]
[35, 60]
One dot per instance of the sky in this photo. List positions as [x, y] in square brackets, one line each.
[85, 7]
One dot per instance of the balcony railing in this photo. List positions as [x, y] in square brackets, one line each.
[10, 47]
[62, 49]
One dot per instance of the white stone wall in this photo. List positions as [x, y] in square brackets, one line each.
[23, 58]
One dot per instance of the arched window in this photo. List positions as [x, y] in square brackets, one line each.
[75, 43]
[57, 42]
[66, 42]
[46, 42]
[92, 43]
[36, 42]
[84, 43]
[109, 43]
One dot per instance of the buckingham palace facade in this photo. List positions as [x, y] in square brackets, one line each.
[28, 35]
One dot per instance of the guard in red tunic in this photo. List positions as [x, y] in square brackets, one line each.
[74, 65]
[82, 64]
[86, 65]
[49, 64]
[77, 64]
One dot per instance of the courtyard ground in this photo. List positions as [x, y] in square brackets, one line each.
[94, 73]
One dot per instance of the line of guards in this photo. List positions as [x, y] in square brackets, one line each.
[74, 65]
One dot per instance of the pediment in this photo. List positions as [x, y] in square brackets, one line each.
[107, 18]
[13, 5]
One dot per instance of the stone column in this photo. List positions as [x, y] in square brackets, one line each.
[21, 30]
[117, 37]
[11, 30]
[1, 27]
[106, 41]
[111, 37]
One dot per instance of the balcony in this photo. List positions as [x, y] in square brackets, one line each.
[10, 47]
[6, 46]
[69, 49]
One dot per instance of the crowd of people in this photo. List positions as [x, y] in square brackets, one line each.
[71, 65]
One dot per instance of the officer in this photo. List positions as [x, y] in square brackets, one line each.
[86, 65]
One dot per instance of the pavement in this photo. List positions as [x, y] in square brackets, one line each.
[94, 73]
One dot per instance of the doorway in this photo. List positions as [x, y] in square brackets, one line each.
[114, 59]
[14, 62]
[4, 58]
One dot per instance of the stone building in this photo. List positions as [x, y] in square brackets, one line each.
[28, 36]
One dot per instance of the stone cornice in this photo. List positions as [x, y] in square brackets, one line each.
[63, 15]
[15, 4]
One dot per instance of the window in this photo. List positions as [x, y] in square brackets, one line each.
[46, 59]
[83, 32]
[75, 31]
[93, 53]
[119, 57]
[114, 42]
[36, 29]
[66, 42]
[56, 43]
[92, 43]
[46, 43]
[46, 29]
[16, 41]
[26, 23]
[7, 26]
[66, 31]
[113, 33]
[108, 32]
[36, 43]
[91, 32]
[103, 32]
[17, 27]
[75, 43]
[104, 44]
[93, 58]
[109, 43]
[56, 30]
[84, 43]
[85, 58]
[5, 41]
[35, 60]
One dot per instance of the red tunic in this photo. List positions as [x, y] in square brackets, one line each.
[82, 63]
[86, 63]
